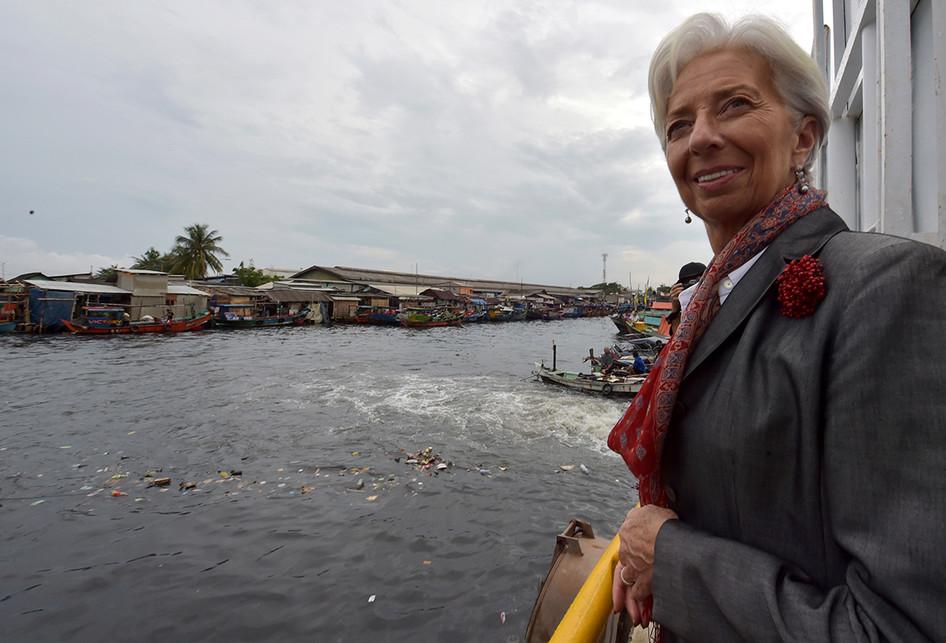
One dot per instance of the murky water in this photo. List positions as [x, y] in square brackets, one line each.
[306, 521]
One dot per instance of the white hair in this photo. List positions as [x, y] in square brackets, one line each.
[796, 76]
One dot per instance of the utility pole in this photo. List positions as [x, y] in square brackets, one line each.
[604, 267]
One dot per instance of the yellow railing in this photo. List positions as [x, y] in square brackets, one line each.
[589, 612]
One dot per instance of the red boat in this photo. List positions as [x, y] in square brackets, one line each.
[107, 320]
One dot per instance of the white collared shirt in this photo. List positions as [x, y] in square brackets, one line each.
[725, 285]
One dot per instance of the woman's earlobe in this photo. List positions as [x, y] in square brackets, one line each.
[807, 138]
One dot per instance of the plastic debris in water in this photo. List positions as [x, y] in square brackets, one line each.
[502, 617]
[566, 467]
[584, 469]
[371, 598]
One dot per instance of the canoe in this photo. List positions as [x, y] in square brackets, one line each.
[591, 382]
[105, 326]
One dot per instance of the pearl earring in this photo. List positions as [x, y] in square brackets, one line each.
[800, 179]
[688, 219]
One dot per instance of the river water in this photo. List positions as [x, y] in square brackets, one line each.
[305, 520]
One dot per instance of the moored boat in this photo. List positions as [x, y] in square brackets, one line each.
[594, 382]
[505, 313]
[228, 317]
[429, 318]
[108, 320]
[545, 313]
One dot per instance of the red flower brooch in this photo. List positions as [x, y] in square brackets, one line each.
[801, 287]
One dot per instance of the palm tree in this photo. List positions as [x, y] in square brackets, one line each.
[109, 273]
[197, 251]
[152, 260]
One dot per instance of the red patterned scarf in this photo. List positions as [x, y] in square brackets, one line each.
[639, 435]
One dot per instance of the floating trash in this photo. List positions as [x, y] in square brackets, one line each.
[566, 467]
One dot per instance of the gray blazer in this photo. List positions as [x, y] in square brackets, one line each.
[807, 457]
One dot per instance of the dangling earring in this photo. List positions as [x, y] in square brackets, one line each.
[800, 179]
[688, 219]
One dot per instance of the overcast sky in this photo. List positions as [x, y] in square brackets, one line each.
[506, 139]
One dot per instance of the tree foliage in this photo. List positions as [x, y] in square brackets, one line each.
[109, 273]
[196, 250]
[151, 259]
[608, 288]
[252, 276]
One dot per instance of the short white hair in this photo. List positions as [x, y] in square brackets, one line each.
[796, 76]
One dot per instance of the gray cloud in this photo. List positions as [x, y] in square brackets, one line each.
[475, 139]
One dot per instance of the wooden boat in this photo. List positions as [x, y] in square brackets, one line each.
[429, 318]
[504, 313]
[384, 316]
[227, 317]
[474, 316]
[107, 320]
[594, 382]
[545, 313]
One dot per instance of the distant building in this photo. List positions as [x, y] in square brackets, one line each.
[884, 165]
[403, 284]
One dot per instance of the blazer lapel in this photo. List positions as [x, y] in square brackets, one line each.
[806, 236]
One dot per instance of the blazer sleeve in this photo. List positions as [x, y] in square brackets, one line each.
[883, 482]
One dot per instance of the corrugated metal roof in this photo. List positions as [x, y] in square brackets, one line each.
[138, 271]
[183, 289]
[396, 290]
[405, 279]
[293, 295]
[72, 286]
[239, 291]
[445, 295]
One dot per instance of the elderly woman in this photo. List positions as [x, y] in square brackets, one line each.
[788, 489]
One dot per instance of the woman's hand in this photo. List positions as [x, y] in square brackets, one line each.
[638, 536]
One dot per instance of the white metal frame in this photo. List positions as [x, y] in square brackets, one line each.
[868, 165]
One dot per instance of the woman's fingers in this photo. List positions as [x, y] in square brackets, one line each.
[617, 589]
[633, 610]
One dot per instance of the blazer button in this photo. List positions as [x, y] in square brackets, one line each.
[670, 493]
